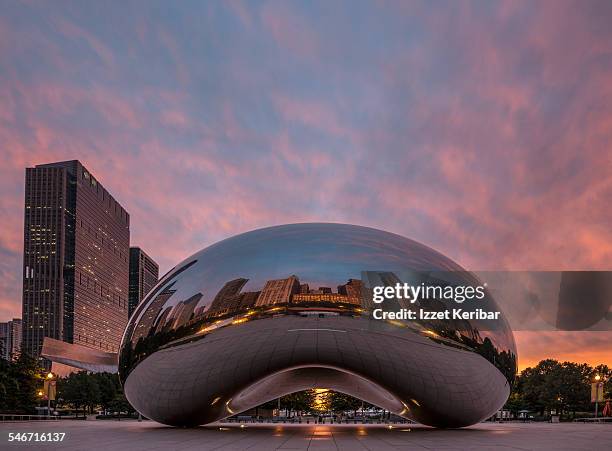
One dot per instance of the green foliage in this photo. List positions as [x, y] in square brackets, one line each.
[340, 402]
[109, 387]
[551, 385]
[301, 401]
[306, 402]
[120, 404]
[84, 391]
[20, 381]
[79, 391]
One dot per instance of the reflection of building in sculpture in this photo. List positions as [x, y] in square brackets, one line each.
[353, 289]
[278, 291]
[200, 310]
[320, 297]
[150, 315]
[161, 322]
[184, 310]
[349, 293]
[227, 298]
[248, 299]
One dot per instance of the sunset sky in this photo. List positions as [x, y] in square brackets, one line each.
[482, 129]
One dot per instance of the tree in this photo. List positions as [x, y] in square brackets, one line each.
[574, 387]
[109, 387]
[20, 381]
[341, 402]
[550, 385]
[80, 390]
[9, 386]
[515, 403]
[87, 391]
[541, 385]
[120, 404]
[299, 401]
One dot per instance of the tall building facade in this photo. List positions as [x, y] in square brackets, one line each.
[278, 291]
[10, 339]
[353, 289]
[144, 273]
[183, 311]
[228, 296]
[75, 259]
[4, 340]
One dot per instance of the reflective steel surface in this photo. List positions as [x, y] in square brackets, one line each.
[286, 308]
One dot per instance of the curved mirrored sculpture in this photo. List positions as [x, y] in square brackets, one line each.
[287, 308]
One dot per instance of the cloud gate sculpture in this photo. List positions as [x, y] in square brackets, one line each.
[287, 308]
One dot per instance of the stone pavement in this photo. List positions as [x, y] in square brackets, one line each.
[131, 435]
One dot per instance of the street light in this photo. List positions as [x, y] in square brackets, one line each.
[50, 377]
[597, 379]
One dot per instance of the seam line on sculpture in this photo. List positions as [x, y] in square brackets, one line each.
[329, 330]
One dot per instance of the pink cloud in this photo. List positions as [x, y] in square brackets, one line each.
[584, 347]
[240, 9]
[290, 30]
[317, 115]
[72, 30]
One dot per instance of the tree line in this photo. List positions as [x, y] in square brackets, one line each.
[22, 380]
[317, 402]
[88, 392]
[562, 387]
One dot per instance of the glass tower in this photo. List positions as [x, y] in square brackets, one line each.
[144, 273]
[75, 259]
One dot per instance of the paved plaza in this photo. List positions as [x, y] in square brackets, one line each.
[131, 435]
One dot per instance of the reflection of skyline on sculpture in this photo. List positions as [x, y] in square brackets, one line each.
[339, 259]
[194, 301]
[297, 294]
[230, 300]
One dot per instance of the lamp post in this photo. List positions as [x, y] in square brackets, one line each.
[597, 379]
[50, 377]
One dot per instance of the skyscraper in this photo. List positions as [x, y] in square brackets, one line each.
[278, 291]
[353, 289]
[228, 297]
[75, 259]
[10, 339]
[184, 310]
[144, 273]
[4, 340]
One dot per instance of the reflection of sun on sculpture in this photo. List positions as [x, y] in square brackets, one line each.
[284, 309]
[321, 401]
